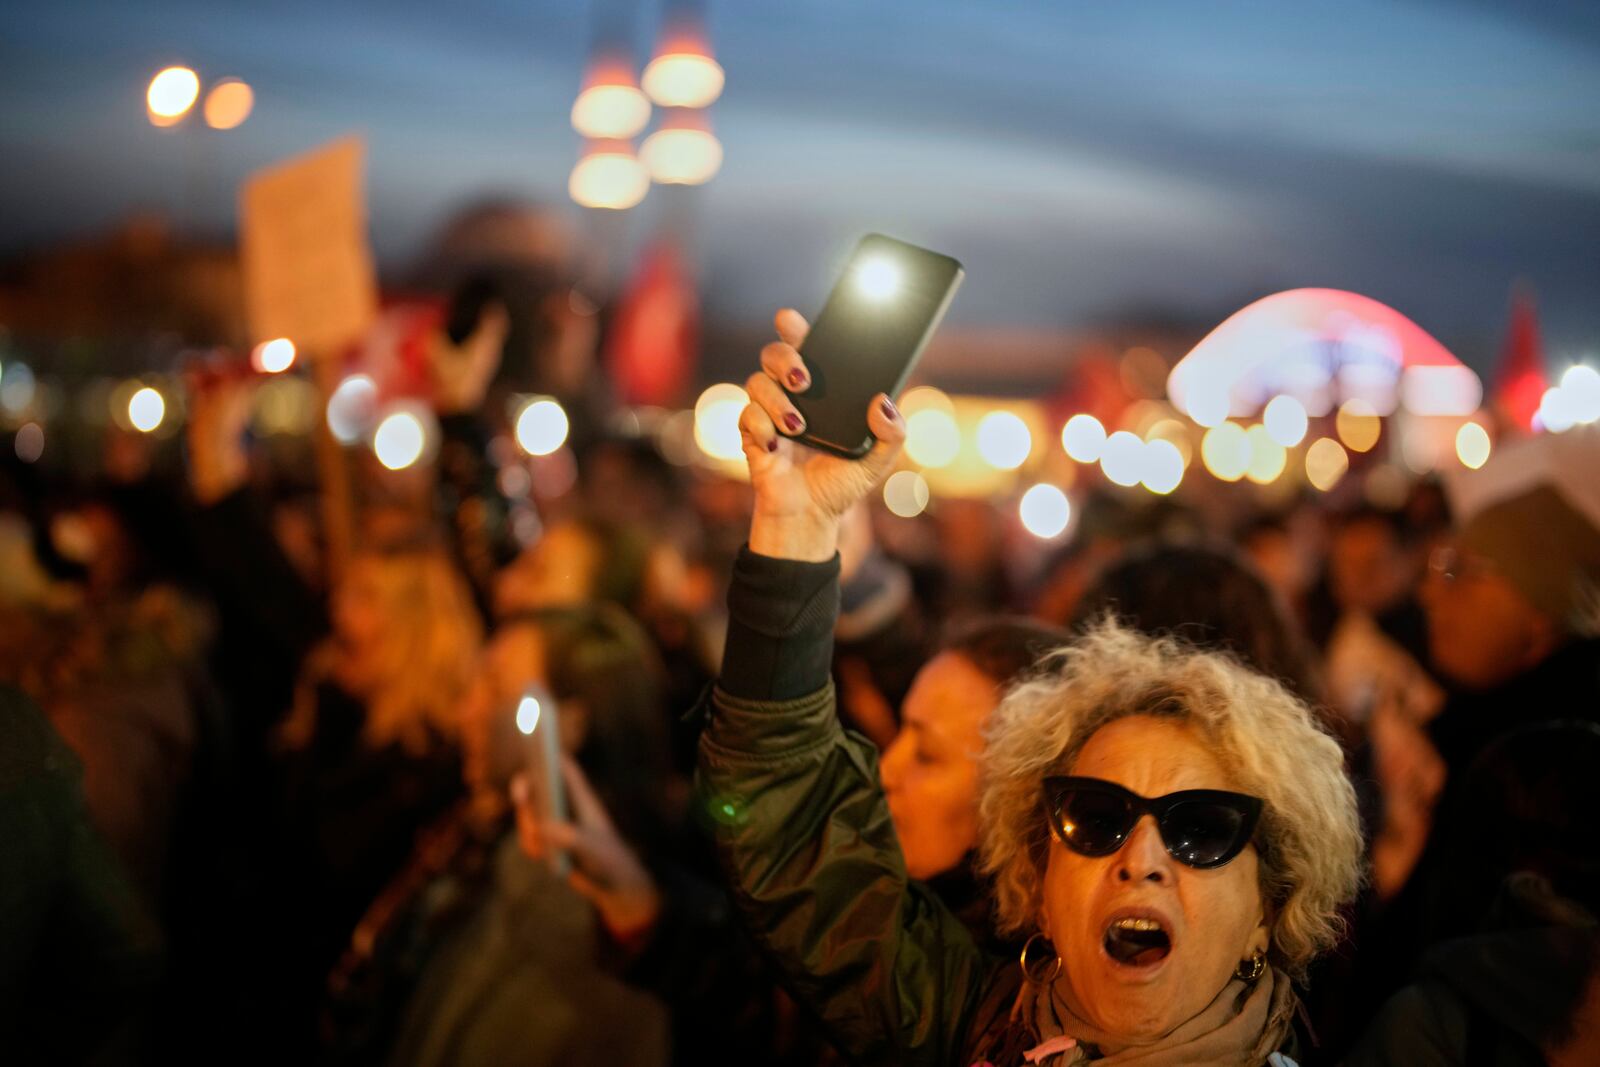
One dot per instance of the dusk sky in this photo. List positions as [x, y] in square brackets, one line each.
[1080, 158]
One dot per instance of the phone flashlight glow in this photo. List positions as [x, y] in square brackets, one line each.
[878, 279]
[528, 715]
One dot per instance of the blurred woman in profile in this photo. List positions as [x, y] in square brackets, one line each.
[369, 751]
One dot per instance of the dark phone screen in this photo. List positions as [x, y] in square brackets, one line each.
[869, 336]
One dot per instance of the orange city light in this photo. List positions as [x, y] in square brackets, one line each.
[683, 74]
[608, 175]
[683, 151]
[228, 104]
[610, 104]
[172, 93]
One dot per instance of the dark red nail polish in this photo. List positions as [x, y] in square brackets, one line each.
[792, 422]
[888, 410]
[772, 445]
[797, 378]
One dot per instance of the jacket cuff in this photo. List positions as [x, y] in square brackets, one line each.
[768, 730]
[781, 615]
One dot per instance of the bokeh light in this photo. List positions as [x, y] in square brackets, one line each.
[681, 156]
[716, 421]
[1175, 433]
[1358, 425]
[1285, 420]
[1122, 459]
[29, 443]
[1004, 440]
[609, 177]
[932, 437]
[399, 440]
[1472, 445]
[878, 279]
[228, 104]
[273, 357]
[528, 711]
[610, 111]
[172, 93]
[1267, 456]
[1045, 511]
[541, 427]
[1163, 466]
[1208, 405]
[1083, 437]
[906, 494]
[683, 79]
[146, 409]
[352, 407]
[1326, 463]
[1225, 450]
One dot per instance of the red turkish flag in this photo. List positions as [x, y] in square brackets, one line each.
[1520, 382]
[655, 335]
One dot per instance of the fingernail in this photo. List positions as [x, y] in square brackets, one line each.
[792, 421]
[797, 378]
[889, 412]
[772, 445]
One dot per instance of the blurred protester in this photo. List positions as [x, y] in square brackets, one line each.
[478, 954]
[575, 561]
[79, 957]
[1208, 597]
[1513, 911]
[1514, 603]
[930, 769]
[368, 755]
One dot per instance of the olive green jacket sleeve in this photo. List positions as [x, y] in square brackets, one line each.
[804, 836]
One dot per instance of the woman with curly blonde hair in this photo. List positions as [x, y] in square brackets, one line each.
[1172, 832]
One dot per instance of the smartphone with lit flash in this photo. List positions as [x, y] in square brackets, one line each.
[540, 728]
[869, 336]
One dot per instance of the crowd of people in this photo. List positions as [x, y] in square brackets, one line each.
[1306, 785]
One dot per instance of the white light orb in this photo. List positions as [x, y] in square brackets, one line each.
[1045, 511]
[932, 437]
[146, 409]
[399, 440]
[1163, 466]
[1004, 440]
[716, 421]
[1285, 420]
[1472, 445]
[1083, 437]
[906, 494]
[878, 279]
[541, 427]
[1122, 459]
[351, 408]
[273, 357]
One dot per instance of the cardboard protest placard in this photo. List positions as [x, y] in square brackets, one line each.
[308, 271]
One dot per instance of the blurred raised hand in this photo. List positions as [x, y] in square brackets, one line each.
[461, 373]
[219, 399]
[801, 493]
[605, 869]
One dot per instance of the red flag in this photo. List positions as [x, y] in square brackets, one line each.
[655, 335]
[1519, 380]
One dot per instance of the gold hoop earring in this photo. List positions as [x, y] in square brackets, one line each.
[1052, 970]
[1252, 969]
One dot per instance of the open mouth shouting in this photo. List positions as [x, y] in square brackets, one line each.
[1137, 940]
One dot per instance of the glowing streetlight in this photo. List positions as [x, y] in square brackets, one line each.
[608, 175]
[683, 74]
[1285, 420]
[172, 93]
[610, 105]
[399, 440]
[146, 409]
[932, 437]
[1472, 445]
[1225, 450]
[1122, 459]
[228, 104]
[1045, 511]
[1163, 466]
[716, 421]
[682, 151]
[1083, 437]
[273, 357]
[1004, 440]
[1326, 463]
[541, 427]
[906, 494]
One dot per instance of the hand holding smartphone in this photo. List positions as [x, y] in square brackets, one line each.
[868, 338]
[538, 724]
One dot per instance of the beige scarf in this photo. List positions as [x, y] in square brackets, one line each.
[1241, 1026]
